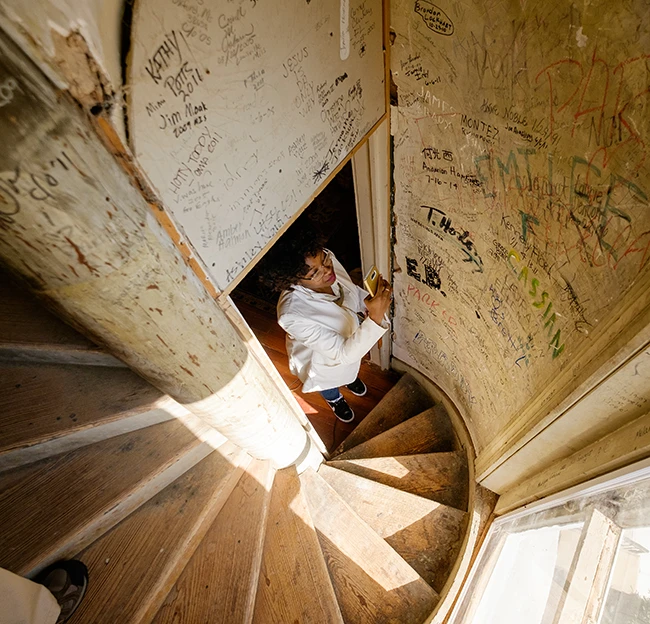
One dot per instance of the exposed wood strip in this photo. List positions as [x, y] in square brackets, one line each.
[56, 507]
[426, 534]
[372, 582]
[134, 566]
[428, 432]
[294, 585]
[220, 582]
[405, 400]
[442, 477]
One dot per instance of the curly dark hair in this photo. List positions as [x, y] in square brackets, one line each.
[285, 264]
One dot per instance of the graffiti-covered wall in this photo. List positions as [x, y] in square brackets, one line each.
[252, 106]
[521, 140]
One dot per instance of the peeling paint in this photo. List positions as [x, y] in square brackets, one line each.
[81, 258]
[87, 82]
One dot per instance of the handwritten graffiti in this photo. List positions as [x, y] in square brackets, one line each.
[16, 184]
[548, 316]
[430, 347]
[184, 81]
[521, 347]
[461, 235]
[164, 55]
[434, 17]
[585, 215]
[7, 88]
[606, 97]
[431, 275]
[431, 303]
[432, 153]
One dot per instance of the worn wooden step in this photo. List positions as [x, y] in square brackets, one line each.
[428, 432]
[294, 584]
[48, 409]
[220, 581]
[403, 401]
[372, 582]
[133, 566]
[426, 534]
[441, 477]
[30, 333]
[56, 507]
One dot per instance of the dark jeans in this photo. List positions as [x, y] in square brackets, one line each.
[332, 394]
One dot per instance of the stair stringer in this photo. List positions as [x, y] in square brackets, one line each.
[481, 501]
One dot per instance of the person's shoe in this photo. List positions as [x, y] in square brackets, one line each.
[357, 387]
[67, 581]
[342, 410]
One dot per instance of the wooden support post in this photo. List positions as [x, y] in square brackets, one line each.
[76, 225]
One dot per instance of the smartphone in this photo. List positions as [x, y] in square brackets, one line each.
[371, 280]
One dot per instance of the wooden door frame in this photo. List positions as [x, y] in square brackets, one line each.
[370, 169]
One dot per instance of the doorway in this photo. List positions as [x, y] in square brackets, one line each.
[332, 214]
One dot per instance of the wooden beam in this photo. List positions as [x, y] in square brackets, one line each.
[621, 448]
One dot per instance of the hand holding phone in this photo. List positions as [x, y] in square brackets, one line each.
[380, 291]
[371, 281]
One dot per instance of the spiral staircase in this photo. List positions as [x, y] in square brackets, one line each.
[176, 524]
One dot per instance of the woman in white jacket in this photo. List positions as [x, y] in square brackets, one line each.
[330, 322]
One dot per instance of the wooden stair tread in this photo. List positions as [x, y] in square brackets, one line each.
[57, 506]
[372, 582]
[133, 566]
[294, 584]
[30, 332]
[428, 432]
[403, 401]
[426, 534]
[42, 404]
[219, 583]
[441, 477]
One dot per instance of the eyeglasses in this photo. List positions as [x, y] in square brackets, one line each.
[326, 263]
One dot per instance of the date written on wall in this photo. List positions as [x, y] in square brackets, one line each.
[197, 162]
[178, 123]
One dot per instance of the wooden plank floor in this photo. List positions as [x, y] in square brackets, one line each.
[331, 430]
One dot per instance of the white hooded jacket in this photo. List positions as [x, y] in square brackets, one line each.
[325, 339]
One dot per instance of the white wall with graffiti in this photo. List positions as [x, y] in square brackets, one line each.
[240, 111]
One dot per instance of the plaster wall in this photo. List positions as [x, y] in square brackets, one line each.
[522, 228]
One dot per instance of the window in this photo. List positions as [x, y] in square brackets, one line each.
[583, 559]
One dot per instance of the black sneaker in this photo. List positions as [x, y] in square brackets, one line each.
[67, 581]
[357, 387]
[342, 410]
